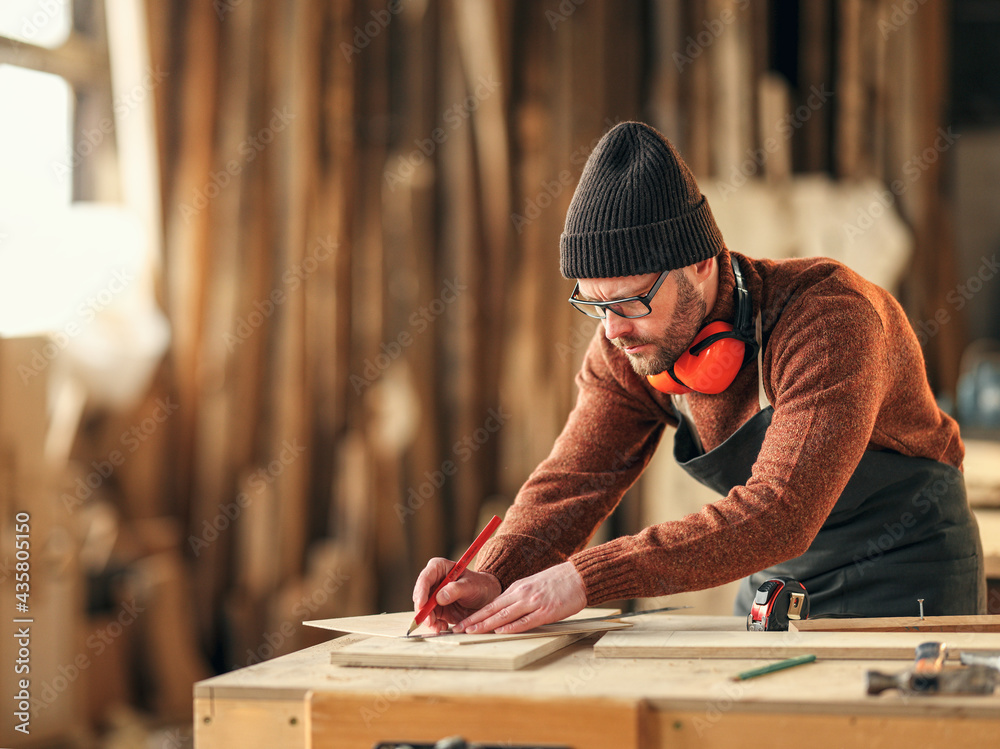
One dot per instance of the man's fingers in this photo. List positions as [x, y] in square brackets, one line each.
[456, 591]
[500, 620]
[501, 611]
[430, 576]
[477, 616]
[523, 624]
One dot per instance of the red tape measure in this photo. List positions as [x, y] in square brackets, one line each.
[777, 601]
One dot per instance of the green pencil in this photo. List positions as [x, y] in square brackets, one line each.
[796, 661]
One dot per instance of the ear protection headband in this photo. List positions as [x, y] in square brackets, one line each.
[717, 353]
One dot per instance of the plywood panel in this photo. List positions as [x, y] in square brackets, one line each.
[662, 643]
[500, 655]
[395, 625]
[901, 624]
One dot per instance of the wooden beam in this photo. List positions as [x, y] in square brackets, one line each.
[79, 60]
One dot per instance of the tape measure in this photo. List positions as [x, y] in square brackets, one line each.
[777, 601]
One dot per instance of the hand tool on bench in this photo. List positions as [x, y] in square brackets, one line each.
[927, 664]
[777, 600]
[991, 660]
[928, 675]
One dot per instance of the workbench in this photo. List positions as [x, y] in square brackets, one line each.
[574, 699]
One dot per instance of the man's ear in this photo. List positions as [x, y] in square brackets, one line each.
[703, 270]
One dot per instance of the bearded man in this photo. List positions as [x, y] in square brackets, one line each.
[794, 388]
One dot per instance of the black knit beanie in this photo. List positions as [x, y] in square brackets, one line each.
[636, 210]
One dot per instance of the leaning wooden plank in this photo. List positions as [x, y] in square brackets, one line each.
[645, 642]
[850, 95]
[498, 655]
[984, 623]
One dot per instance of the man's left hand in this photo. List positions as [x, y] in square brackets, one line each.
[548, 596]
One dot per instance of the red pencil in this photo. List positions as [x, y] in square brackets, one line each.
[455, 572]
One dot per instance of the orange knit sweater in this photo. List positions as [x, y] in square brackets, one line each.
[844, 372]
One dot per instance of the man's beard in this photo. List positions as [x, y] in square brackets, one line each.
[688, 318]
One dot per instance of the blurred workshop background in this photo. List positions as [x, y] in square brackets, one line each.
[280, 309]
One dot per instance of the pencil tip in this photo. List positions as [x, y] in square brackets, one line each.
[413, 626]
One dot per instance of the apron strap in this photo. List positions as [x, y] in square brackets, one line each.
[761, 395]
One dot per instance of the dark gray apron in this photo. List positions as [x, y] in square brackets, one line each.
[901, 530]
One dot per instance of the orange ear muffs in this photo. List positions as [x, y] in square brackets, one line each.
[709, 366]
[717, 353]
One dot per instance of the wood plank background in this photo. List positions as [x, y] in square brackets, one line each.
[362, 202]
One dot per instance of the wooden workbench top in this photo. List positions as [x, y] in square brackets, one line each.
[836, 686]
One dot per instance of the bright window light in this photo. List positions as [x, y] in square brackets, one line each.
[35, 165]
[43, 22]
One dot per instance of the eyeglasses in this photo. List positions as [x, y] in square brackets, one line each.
[630, 307]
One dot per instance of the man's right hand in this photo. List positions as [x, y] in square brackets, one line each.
[457, 599]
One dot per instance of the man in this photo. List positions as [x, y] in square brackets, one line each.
[797, 391]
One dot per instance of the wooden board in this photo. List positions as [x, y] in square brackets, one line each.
[989, 533]
[985, 623]
[394, 626]
[344, 721]
[982, 472]
[661, 643]
[498, 655]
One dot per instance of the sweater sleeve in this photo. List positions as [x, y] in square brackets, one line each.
[606, 443]
[828, 362]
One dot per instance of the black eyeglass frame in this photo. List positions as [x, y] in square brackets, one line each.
[646, 299]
